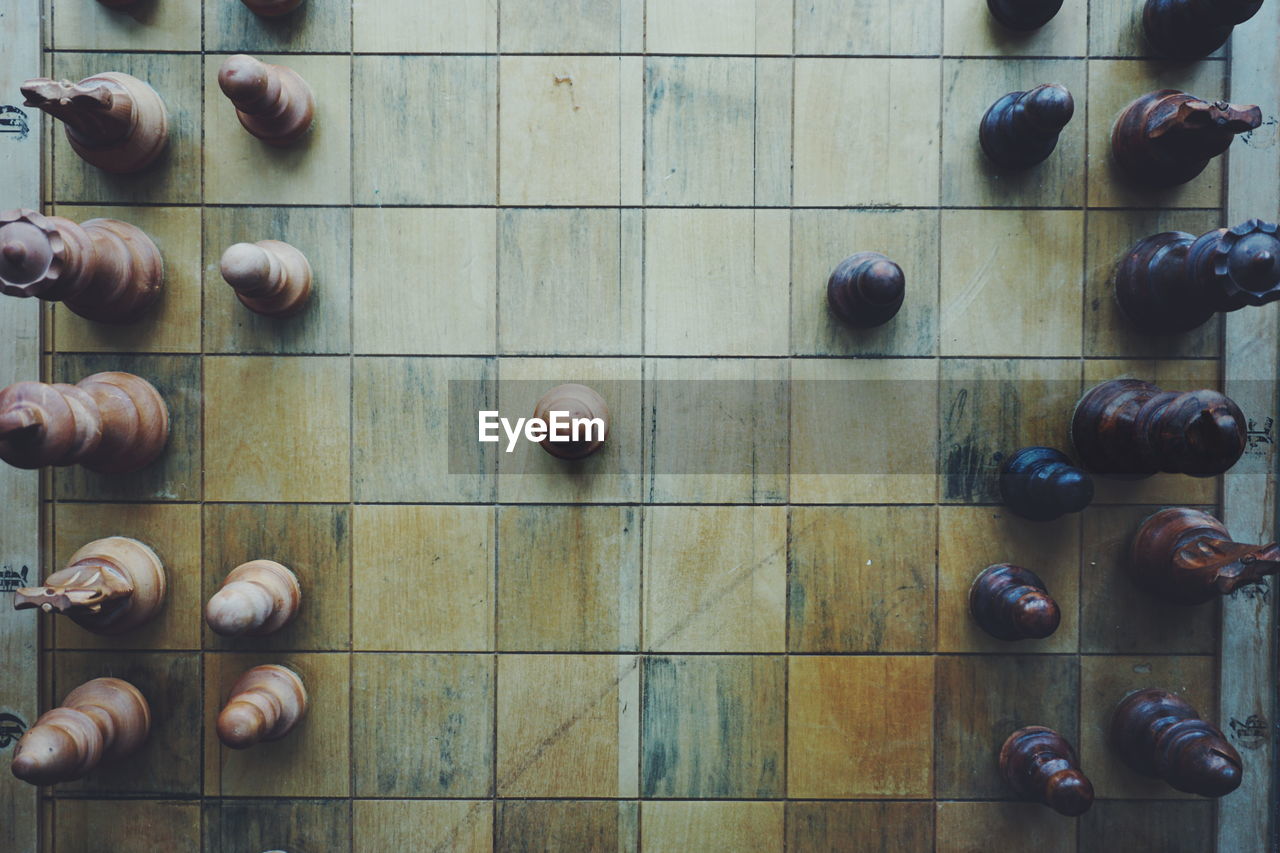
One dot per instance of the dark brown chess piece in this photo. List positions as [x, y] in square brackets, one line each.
[1174, 281]
[866, 289]
[572, 402]
[1021, 128]
[269, 277]
[109, 586]
[105, 719]
[1131, 427]
[1166, 138]
[103, 269]
[266, 703]
[1158, 734]
[1040, 765]
[118, 4]
[1024, 15]
[108, 422]
[1011, 603]
[257, 598]
[112, 120]
[1187, 556]
[272, 101]
[272, 8]
[1041, 484]
[1190, 29]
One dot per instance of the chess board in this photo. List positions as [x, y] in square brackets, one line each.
[743, 625]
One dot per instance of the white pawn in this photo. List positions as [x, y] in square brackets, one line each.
[257, 598]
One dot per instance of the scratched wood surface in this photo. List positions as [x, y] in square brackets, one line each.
[742, 625]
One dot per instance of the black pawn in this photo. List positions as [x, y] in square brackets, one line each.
[866, 289]
[1024, 15]
[1021, 129]
[1011, 603]
[1041, 484]
[1190, 29]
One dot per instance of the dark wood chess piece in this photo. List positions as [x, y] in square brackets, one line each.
[1187, 556]
[1158, 734]
[1041, 484]
[1166, 138]
[257, 598]
[112, 120]
[266, 703]
[272, 101]
[272, 8]
[105, 719]
[103, 269]
[1174, 281]
[1131, 427]
[573, 402]
[1190, 29]
[866, 289]
[269, 277]
[1011, 603]
[108, 422]
[1021, 128]
[1024, 15]
[1040, 765]
[118, 4]
[109, 586]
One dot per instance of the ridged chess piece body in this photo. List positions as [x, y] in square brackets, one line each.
[1186, 556]
[102, 720]
[266, 703]
[1024, 15]
[269, 277]
[1174, 281]
[272, 8]
[257, 598]
[1167, 137]
[1158, 734]
[1011, 603]
[866, 289]
[1131, 427]
[1190, 29]
[1041, 766]
[576, 402]
[109, 586]
[1042, 484]
[272, 102]
[113, 121]
[1021, 128]
[102, 269]
[110, 422]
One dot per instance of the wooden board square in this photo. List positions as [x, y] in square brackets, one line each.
[1173, 827]
[144, 27]
[969, 30]
[565, 826]
[980, 827]
[560, 26]
[125, 826]
[317, 26]
[425, 26]
[301, 825]
[866, 27]
[1115, 30]
[711, 827]
[464, 826]
[864, 827]
[718, 27]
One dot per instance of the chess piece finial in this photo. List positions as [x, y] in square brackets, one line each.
[1040, 765]
[1024, 15]
[266, 703]
[1131, 427]
[257, 598]
[1011, 603]
[1041, 484]
[105, 719]
[112, 120]
[272, 102]
[1190, 29]
[108, 422]
[1187, 556]
[109, 586]
[272, 8]
[866, 289]
[1158, 734]
[1021, 128]
[103, 269]
[1174, 281]
[269, 277]
[574, 403]
[1166, 138]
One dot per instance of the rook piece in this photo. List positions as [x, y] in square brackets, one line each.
[108, 422]
[259, 597]
[1174, 281]
[1024, 15]
[1011, 603]
[1041, 766]
[1159, 735]
[1166, 138]
[1127, 426]
[266, 703]
[104, 269]
[1041, 484]
[109, 586]
[112, 120]
[104, 719]
[272, 8]
[866, 289]
[269, 277]
[272, 101]
[1187, 556]
[1190, 29]
[575, 402]
[1021, 128]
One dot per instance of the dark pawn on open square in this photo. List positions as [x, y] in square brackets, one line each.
[1021, 128]
[1040, 765]
[1041, 484]
[866, 289]
[1024, 15]
[1011, 603]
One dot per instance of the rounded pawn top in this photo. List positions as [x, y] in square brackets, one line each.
[245, 266]
[574, 407]
[244, 79]
[1040, 765]
[1036, 615]
[266, 703]
[54, 750]
[257, 598]
[1011, 603]
[1024, 15]
[866, 289]
[1049, 107]
[1041, 484]
[1069, 792]
[31, 253]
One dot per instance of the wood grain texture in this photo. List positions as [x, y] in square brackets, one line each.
[440, 826]
[128, 826]
[565, 826]
[300, 826]
[158, 26]
[711, 827]
[969, 30]
[979, 827]
[866, 27]
[718, 27]
[865, 827]
[560, 26]
[431, 26]
[1176, 827]
[316, 25]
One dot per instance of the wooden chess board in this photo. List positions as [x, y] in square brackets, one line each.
[741, 632]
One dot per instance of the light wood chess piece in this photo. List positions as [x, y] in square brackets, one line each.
[266, 703]
[573, 402]
[272, 101]
[257, 598]
[109, 586]
[105, 719]
[113, 121]
[269, 277]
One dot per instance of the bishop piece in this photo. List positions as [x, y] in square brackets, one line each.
[580, 404]
[1190, 29]
[1024, 15]
[1011, 603]
[105, 719]
[866, 289]
[1021, 128]
[269, 277]
[1040, 765]
[109, 586]
[259, 597]
[1159, 735]
[272, 8]
[1041, 484]
[1166, 138]
[112, 120]
[272, 101]
[266, 703]
[1187, 556]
